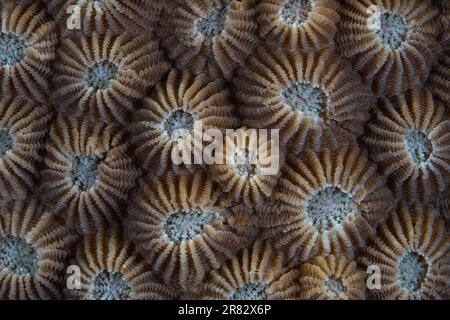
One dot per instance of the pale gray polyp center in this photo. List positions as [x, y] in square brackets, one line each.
[245, 163]
[100, 75]
[334, 287]
[6, 142]
[295, 12]
[249, 291]
[391, 30]
[419, 147]
[18, 256]
[412, 270]
[305, 97]
[85, 171]
[213, 22]
[110, 286]
[328, 207]
[12, 49]
[183, 226]
[178, 120]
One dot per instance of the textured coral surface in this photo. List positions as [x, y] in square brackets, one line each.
[224, 149]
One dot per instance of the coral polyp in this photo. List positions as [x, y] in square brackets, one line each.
[392, 44]
[224, 150]
[415, 266]
[210, 36]
[183, 230]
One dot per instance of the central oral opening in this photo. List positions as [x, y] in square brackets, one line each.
[101, 74]
[412, 270]
[244, 162]
[183, 226]
[334, 287]
[12, 49]
[295, 12]
[391, 30]
[178, 120]
[213, 23]
[110, 286]
[328, 207]
[249, 291]
[18, 256]
[84, 171]
[308, 99]
[418, 146]
[7, 142]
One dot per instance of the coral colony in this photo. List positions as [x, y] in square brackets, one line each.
[224, 149]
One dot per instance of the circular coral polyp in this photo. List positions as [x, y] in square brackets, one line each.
[305, 97]
[249, 291]
[391, 29]
[183, 226]
[99, 76]
[110, 286]
[85, 171]
[178, 120]
[328, 207]
[18, 256]
[412, 271]
[295, 12]
[335, 287]
[213, 22]
[12, 49]
[6, 142]
[419, 147]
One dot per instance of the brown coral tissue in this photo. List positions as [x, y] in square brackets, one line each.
[23, 129]
[255, 273]
[104, 76]
[224, 150]
[412, 252]
[27, 49]
[101, 16]
[210, 36]
[329, 201]
[182, 105]
[34, 249]
[110, 269]
[182, 229]
[331, 278]
[409, 137]
[304, 25]
[393, 44]
[88, 173]
[302, 94]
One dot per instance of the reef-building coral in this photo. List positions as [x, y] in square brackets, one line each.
[409, 138]
[101, 16]
[301, 94]
[104, 76]
[305, 25]
[34, 248]
[27, 48]
[393, 44]
[88, 173]
[176, 107]
[210, 36]
[23, 129]
[330, 201]
[439, 81]
[181, 228]
[110, 269]
[249, 168]
[412, 252]
[250, 275]
[331, 278]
